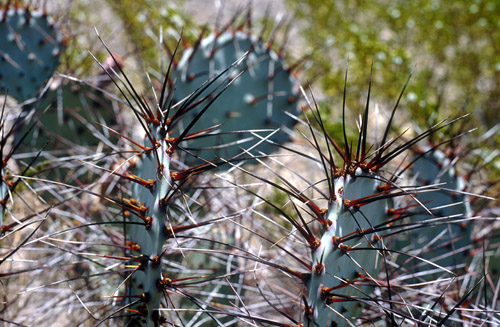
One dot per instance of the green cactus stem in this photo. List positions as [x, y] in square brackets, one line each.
[30, 47]
[150, 233]
[348, 252]
[348, 244]
[4, 196]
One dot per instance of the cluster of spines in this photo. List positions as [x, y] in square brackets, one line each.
[31, 45]
[151, 222]
[348, 251]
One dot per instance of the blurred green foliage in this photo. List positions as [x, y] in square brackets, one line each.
[453, 45]
[81, 39]
[144, 19]
[137, 23]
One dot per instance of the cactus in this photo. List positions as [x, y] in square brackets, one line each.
[449, 240]
[337, 255]
[330, 263]
[151, 209]
[150, 234]
[4, 196]
[7, 149]
[5, 184]
[73, 110]
[347, 253]
[258, 100]
[348, 247]
[31, 45]
[261, 99]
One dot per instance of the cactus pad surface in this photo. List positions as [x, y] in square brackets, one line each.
[30, 47]
[252, 108]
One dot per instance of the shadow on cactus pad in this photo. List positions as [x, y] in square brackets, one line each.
[64, 123]
[73, 111]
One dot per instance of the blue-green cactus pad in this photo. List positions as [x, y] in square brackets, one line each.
[341, 268]
[30, 47]
[4, 194]
[150, 166]
[435, 168]
[71, 118]
[257, 100]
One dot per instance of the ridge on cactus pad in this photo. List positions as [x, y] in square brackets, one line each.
[252, 108]
[4, 196]
[30, 47]
[336, 273]
[148, 234]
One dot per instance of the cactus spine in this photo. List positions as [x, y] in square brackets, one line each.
[31, 45]
[349, 250]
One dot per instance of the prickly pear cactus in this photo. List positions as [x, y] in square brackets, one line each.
[148, 232]
[444, 242]
[346, 258]
[30, 47]
[351, 239]
[258, 100]
[7, 182]
[153, 224]
[153, 219]
[151, 211]
[73, 112]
